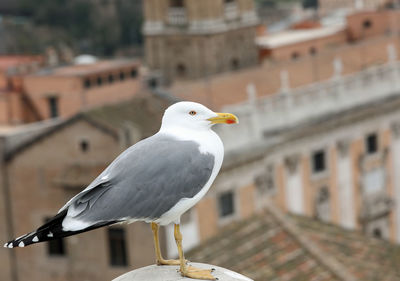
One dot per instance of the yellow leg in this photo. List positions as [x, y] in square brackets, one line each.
[189, 271]
[159, 258]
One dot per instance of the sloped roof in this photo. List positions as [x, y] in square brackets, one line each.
[274, 246]
[88, 69]
[365, 257]
[294, 36]
[145, 112]
[23, 139]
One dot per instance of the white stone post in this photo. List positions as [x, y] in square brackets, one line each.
[285, 91]
[392, 58]
[396, 176]
[337, 76]
[294, 185]
[344, 175]
[255, 116]
[337, 67]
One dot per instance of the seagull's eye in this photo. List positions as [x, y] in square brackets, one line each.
[192, 112]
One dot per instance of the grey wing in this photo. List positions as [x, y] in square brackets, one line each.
[144, 182]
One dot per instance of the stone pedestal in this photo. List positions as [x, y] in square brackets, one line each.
[171, 273]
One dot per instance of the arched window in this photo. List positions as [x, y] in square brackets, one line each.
[84, 145]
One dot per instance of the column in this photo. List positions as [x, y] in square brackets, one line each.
[294, 185]
[396, 176]
[346, 202]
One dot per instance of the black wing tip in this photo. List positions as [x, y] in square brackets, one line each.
[14, 244]
[22, 241]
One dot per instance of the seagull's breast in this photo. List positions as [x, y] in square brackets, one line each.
[209, 143]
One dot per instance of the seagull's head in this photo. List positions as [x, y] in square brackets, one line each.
[192, 115]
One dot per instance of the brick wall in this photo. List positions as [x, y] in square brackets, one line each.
[73, 97]
[36, 194]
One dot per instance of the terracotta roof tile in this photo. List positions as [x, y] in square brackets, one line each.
[262, 248]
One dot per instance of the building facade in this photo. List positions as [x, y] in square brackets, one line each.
[63, 91]
[192, 39]
[327, 151]
[44, 165]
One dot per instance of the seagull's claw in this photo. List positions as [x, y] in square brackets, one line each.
[197, 273]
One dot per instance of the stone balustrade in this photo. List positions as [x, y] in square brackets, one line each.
[289, 107]
[177, 16]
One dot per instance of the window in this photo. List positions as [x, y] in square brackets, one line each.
[313, 51]
[295, 55]
[234, 64]
[176, 3]
[55, 247]
[226, 204]
[152, 83]
[99, 81]
[371, 143]
[117, 247]
[84, 145]
[318, 161]
[134, 73]
[377, 233]
[53, 106]
[121, 76]
[367, 24]
[87, 83]
[110, 78]
[181, 70]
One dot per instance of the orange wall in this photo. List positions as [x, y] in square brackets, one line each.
[304, 48]
[381, 22]
[229, 88]
[73, 97]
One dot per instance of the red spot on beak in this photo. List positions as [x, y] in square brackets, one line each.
[230, 121]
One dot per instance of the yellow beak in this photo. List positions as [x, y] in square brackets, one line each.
[226, 118]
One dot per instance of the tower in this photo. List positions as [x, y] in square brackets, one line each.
[195, 38]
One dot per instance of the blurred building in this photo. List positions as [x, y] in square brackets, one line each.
[307, 53]
[329, 6]
[63, 91]
[310, 38]
[44, 164]
[192, 39]
[15, 106]
[276, 246]
[318, 133]
[328, 150]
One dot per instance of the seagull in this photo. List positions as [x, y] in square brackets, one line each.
[155, 180]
